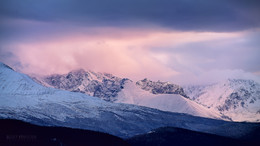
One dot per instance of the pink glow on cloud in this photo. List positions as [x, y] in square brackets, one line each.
[98, 57]
[126, 53]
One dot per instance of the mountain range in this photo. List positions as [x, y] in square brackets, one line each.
[160, 95]
[233, 99]
[21, 98]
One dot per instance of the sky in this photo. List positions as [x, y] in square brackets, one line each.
[181, 41]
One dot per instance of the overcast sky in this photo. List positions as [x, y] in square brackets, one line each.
[182, 41]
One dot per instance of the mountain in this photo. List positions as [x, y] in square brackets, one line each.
[160, 95]
[23, 99]
[102, 85]
[238, 99]
[173, 102]
[235, 99]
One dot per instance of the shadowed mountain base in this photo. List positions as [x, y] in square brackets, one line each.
[14, 132]
[169, 136]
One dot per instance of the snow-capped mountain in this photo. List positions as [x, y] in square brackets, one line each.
[133, 94]
[236, 98]
[102, 85]
[160, 95]
[23, 99]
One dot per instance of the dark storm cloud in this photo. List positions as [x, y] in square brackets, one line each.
[197, 15]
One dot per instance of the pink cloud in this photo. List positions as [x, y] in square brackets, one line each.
[120, 51]
[102, 54]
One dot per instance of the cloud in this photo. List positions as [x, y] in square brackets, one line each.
[122, 55]
[212, 76]
[224, 51]
[185, 15]
[135, 53]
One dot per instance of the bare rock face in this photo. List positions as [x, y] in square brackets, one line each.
[160, 87]
[102, 85]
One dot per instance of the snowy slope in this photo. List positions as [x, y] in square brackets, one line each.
[132, 94]
[236, 98]
[21, 98]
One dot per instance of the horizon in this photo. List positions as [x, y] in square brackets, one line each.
[183, 42]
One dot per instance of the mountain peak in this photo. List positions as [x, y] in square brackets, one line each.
[240, 82]
[78, 71]
[236, 98]
[102, 85]
[2, 65]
